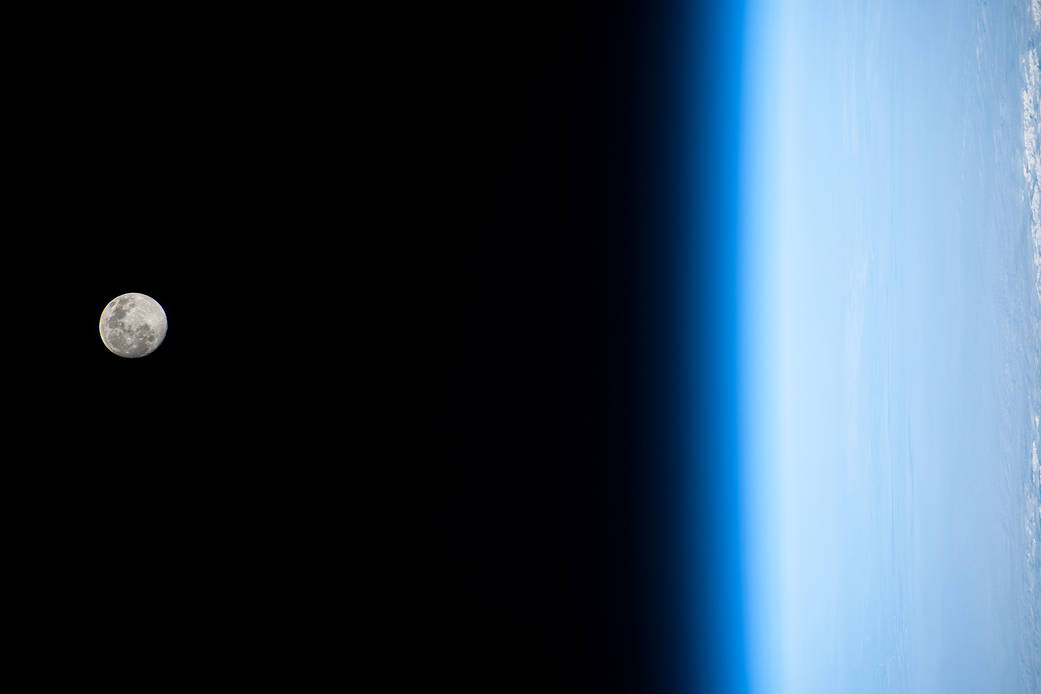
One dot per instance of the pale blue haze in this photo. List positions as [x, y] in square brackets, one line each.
[891, 365]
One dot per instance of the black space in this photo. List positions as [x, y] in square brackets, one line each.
[558, 138]
[167, 510]
[541, 506]
[491, 196]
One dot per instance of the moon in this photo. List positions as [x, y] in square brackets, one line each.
[132, 325]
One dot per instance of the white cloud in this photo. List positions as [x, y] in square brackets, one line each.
[1032, 149]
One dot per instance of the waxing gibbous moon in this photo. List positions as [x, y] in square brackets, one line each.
[132, 325]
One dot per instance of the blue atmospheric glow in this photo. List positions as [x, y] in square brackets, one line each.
[890, 304]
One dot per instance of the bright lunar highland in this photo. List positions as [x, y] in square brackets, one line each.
[132, 325]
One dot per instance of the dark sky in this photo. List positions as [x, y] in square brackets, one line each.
[158, 504]
[494, 204]
[582, 306]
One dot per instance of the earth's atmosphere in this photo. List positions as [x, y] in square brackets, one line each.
[892, 323]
